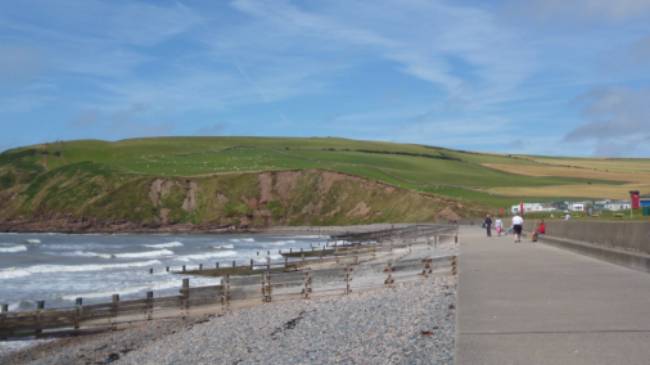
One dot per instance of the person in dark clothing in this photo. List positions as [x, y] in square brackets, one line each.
[487, 224]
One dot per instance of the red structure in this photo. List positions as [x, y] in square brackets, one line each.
[635, 198]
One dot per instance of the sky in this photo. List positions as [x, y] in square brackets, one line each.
[544, 77]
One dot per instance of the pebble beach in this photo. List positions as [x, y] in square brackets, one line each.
[410, 322]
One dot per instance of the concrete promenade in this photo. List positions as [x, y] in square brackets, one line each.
[529, 303]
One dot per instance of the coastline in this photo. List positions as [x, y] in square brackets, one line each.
[131, 228]
[410, 321]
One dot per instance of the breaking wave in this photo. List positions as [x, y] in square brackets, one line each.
[165, 245]
[12, 272]
[13, 249]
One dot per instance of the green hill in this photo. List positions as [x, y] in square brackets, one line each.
[261, 181]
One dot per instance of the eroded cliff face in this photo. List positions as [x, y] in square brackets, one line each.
[75, 200]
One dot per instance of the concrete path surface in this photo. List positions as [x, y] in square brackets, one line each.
[528, 303]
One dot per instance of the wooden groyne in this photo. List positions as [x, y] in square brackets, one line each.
[327, 273]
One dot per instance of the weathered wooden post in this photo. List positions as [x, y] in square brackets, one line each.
[79, 302]
[184, 268]
[307, 285]
[348, 278]
[389, 282]
[3, 314]
[40, 306]
[115, 306]
[252, 264]
[185, 294]
[225, 296]
[234, 263]
[149, 307]
[428, 267]
[266, 287]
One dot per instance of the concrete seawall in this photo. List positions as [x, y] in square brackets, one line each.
[622, 243]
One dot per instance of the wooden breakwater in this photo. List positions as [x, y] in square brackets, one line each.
[265, 282]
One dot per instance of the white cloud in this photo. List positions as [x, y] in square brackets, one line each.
[617, 121]
[584, 10]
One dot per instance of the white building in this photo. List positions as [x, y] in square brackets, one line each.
[578, 206]
[532, 208]
[616, 206]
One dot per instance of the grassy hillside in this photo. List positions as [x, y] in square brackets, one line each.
[113, 181]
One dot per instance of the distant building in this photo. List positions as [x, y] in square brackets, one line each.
[617, 205]
[533, 208]
[578, 207]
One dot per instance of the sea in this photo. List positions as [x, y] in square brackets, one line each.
[58, 268]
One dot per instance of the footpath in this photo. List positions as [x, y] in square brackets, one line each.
[528, 303]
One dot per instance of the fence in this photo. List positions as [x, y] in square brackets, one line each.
[334, 273]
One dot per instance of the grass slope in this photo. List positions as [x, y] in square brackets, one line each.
[114, 180]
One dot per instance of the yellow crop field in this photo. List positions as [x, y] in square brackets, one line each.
[579, 191]
[624, 173]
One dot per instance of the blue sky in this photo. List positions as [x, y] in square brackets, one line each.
[542, 77]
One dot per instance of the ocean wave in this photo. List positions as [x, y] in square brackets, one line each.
[33, 241]
[13, 249]
[145, 254]
[310, 237]
[284, 242]
[273, 257]
[205, 256]
[224, 247]
[165, 245]
[239, 240]
[12, 272]
[92, 254]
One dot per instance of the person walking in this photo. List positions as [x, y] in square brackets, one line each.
[487, 224]
[498, 226]
[517, 226]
